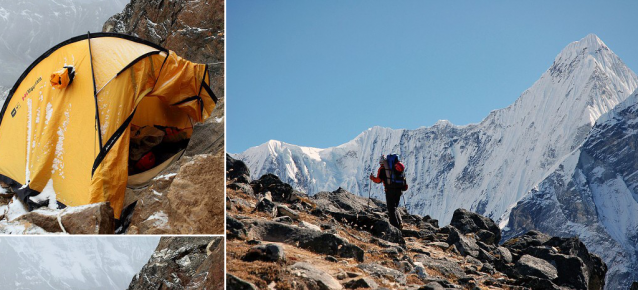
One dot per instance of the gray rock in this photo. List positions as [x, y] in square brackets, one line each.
[532, 266]
[283, 219]
[267, 252]
[445, 267]
[468, 222]
[441, 245]
[383, 272]
[432, 286]
[283, 210]
[466, 245]
[365, 283]
[316, 278]
[266, 205]
[312, 240]
[235, 283]
[504, 254]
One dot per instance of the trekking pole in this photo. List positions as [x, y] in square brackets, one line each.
[369, 190]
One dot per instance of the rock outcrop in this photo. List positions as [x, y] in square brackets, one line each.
[337, 240]
[183, 263]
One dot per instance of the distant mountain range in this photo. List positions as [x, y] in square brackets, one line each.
[512, 159]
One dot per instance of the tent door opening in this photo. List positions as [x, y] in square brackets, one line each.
[159, 134]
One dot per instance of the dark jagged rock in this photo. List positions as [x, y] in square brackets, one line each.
[378, 227]
[361, 283]
[484, 228]
[465, 244]
[237, 170]
[271, 183]
[183, 263]
[314, 278]
[634, 286]
[235, 283]
[532, 266]
[234, 228]
[383, 272]
[316, 241]
[343, 201]
[268, 252]
[266, 205]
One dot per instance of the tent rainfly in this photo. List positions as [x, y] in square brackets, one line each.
[95, 113]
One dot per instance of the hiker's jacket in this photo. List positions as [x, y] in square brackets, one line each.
[381, 177]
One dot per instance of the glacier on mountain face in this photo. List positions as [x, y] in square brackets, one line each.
[490, 166]
[65, 262]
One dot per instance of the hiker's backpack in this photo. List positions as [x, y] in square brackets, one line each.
[395, 172]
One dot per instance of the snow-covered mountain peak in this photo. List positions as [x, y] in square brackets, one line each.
[486, 167]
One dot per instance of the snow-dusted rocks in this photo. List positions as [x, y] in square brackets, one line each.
[183, 263]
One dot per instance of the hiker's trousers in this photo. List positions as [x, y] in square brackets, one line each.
[393, 198]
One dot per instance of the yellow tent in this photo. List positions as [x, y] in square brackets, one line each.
[68, 122]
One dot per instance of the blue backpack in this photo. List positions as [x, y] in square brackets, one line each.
[396, 178]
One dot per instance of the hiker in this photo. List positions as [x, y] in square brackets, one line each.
[391, 174]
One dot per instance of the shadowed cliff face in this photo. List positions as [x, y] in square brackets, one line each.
[183, 263]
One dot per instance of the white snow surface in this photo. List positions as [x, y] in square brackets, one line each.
[485, 167]
[63, 262]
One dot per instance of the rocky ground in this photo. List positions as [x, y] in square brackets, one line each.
[279, 238]
[183, 263]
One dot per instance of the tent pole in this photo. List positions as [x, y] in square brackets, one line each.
[97, 112]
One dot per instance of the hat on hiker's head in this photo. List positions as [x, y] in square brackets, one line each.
[382, 159]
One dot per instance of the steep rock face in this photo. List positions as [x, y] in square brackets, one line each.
[184, 263]
[187, 197]
[485, 167]
[72, 263]
[593, 194]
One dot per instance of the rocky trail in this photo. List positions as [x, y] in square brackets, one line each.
[280, 238]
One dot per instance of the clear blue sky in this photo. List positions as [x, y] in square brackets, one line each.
[318, 73]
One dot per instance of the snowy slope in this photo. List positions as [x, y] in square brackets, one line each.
[593, 194]
[485, 167]
[3, 95]
[29, 28]
[72, 262]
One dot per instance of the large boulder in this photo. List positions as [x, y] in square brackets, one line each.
[271, 183]
[235, 283]
[379, 271]
[89, 219]
[532, 266]
[237, 170]
[465, 244]
[485, 229]
[314, 278]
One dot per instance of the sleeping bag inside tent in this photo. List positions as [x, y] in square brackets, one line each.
[95, 112]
